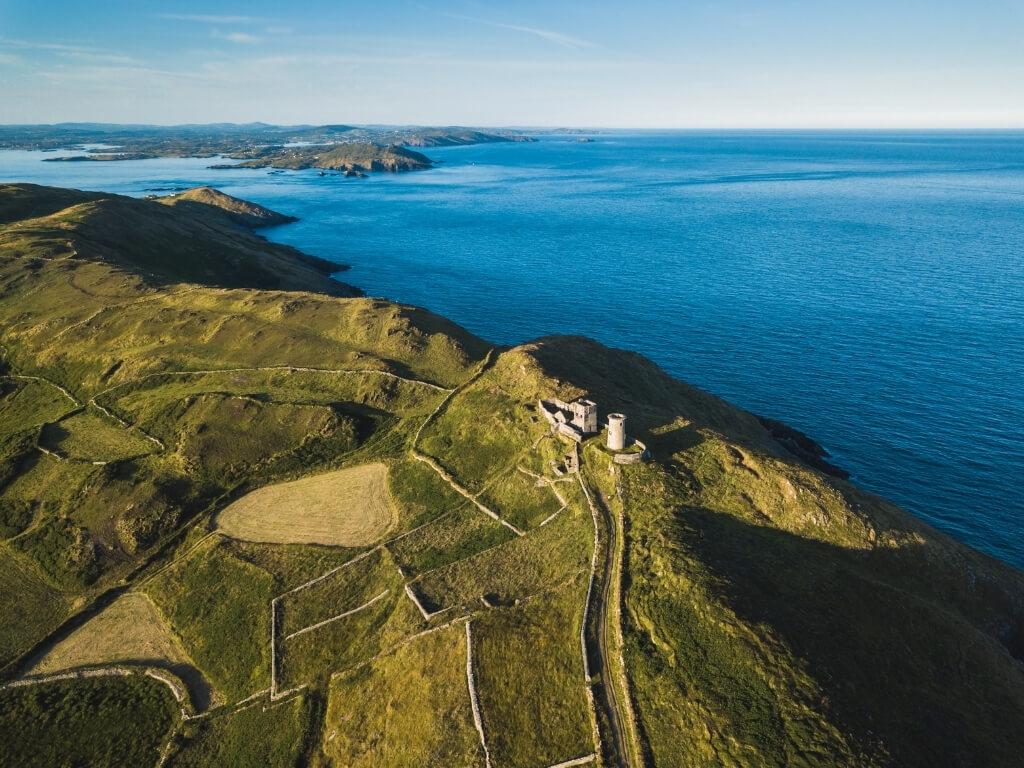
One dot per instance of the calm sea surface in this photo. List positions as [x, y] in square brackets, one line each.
[867, 288]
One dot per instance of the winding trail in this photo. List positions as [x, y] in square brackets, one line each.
[613, 696]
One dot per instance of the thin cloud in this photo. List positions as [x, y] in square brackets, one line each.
[67, 51]
[213, 19]
[114, 77]
[548, 35]
[238, 37]
[46, 46]
[98, 58]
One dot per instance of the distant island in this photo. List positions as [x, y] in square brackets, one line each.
[350, 149]
[362, 157]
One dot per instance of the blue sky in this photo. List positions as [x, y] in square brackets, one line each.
[727, 63]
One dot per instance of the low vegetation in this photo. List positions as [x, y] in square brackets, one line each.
[413, 708]
[310, 657]
[91, 438]
[257, 735]
[516, 569]
[128, 631]
[319, 491]
[100, 722]
[450, 538]
[31, 607]
[529, 675]
[217, 604]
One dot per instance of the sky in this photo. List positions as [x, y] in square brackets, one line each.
[638, 64]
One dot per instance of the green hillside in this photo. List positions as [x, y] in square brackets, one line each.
[725, 603]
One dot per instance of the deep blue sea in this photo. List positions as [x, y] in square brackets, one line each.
[866, 287]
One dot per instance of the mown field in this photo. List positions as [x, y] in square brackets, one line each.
[350, 508]
[128, 631]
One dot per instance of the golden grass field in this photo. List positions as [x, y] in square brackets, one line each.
[349, 507]
[130, 629]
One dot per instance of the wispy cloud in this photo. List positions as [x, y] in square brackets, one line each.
[116, 77]
[237, 37]
[549, 35]
[43, 45]
[99, 57]
[68, 51]
[213, 19]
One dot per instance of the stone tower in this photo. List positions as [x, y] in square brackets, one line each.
[584, 415]
[616, 431]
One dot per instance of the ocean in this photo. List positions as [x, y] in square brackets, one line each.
[865, 287]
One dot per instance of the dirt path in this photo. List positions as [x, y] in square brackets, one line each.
[288, 368]
[621, 746]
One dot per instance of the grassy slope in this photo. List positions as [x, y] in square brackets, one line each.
[407, 709]
[192, 240]
[779, 617]
[773, 616]
[529, 676]
[223, 629]
[94, 320]
[255, 736]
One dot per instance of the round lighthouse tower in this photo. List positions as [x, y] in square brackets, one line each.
[616, 431]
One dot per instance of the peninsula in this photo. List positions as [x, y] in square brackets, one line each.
[250, 517]
[346, 148]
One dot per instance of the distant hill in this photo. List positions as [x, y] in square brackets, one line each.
[731, 601]
[356, 157]
[355, 148]
[245, 213]
[448, 137]
[201, 236]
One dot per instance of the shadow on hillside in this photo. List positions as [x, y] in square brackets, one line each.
[894, 663]
[53, 435]
[630, 383]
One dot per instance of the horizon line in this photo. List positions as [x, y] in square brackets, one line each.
[534, 126]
